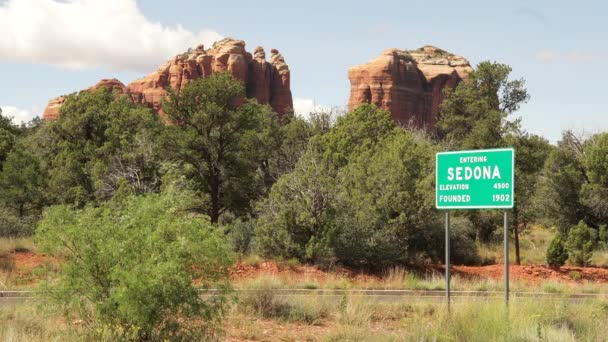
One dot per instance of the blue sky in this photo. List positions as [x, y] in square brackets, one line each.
[49, 48]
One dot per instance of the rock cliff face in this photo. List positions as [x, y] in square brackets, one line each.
[407, 83]
[51, 112]
[268, 82]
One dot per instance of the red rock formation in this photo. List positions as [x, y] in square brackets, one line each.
[268, 82]
[407, 83]
[51, 112]
[280, 86]
[111, 85]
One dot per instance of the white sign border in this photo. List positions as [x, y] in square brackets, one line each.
[511, 149]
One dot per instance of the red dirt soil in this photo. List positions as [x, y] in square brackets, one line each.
[25, 262]
[535, 274]
[531, 274]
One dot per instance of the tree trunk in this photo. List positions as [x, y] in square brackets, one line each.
[516, 236]
[215, 199]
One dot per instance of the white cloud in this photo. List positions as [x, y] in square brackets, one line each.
[18, 115]
[573, 56]
[303, 107]
[78, 34]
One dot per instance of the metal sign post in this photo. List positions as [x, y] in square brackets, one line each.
[506, 233]
[447, 258]
[477, 179]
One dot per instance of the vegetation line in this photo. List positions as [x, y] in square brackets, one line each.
[371, 293]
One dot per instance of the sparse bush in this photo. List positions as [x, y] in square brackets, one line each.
[7, 262]
[554, 287]
[580, 244]
[265, 303]
[290, 264]
[576, 275]
[556, 253]
[253, 260]
[131, 264]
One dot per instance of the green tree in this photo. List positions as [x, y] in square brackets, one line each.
[385, 211]
[8, 137]
[556, 252]
[594, 193]
[222, 140]
[475, 114]
[603, 235]
[580, 244]
[99, 139]
[531, 151]
[131, 263]
[22, 182]
[562, 180]
[361, 195]
[295, 219]
[282, 148]
[354, 132]
[294, 140]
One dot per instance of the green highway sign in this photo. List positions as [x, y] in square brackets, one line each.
[478, 179]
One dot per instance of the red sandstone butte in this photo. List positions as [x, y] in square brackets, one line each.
[268, 82]
[409, 84]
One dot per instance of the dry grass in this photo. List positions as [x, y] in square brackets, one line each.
[600, 258]
[533, 247]
[401, 279]
[8, 245]
[31, 322]
[13, 274]
[264, 316]
[253, 260]
[360, 319]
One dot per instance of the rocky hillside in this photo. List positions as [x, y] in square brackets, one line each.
[407, 83]
[266, 81]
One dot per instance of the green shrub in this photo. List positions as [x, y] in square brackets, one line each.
[361, 196]
[311, 286]
[462, 245]
[240, 233]
[556, 253]
[11, 225]
[580, 244]
[131, 263]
